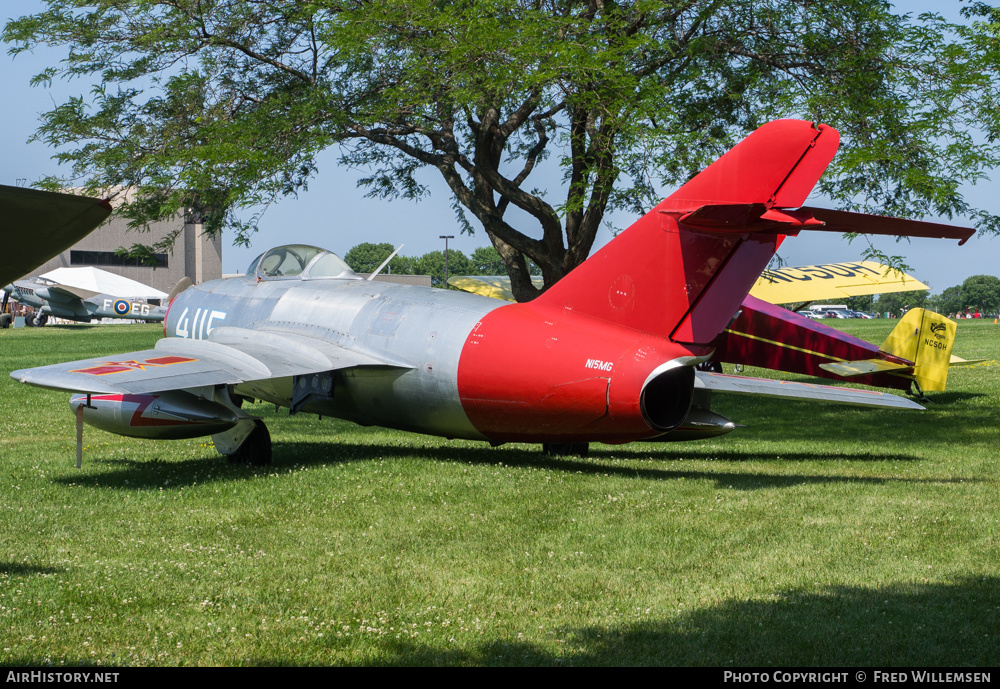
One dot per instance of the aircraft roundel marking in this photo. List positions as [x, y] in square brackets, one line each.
[121, 307]
[621, 293]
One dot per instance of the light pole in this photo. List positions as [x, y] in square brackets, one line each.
[446, 237]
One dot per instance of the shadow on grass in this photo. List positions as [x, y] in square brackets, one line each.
[683, 452]
[942, 423]
[901, 625]
[943, 399]
[920, 625]
[153, 474]
[19, 569]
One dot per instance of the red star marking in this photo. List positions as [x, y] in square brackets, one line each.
[131, 365]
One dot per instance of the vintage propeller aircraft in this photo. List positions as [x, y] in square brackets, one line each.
[50, 297]
[608, 354]
[786, 285]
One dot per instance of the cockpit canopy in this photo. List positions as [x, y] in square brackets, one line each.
[299, 260]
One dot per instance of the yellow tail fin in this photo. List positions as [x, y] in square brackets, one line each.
[926, 339]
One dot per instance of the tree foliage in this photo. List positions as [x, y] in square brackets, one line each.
[981, 292]
[222, 106]
[486, 261]
[367, 257]
[897, 303]
[948, 303]
[439, 268]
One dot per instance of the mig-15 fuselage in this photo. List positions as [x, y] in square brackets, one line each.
[608, 354]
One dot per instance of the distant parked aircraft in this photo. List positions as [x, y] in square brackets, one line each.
[60, 293]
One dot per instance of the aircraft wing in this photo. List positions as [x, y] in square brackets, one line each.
[831, 281]
[767, 387]
[230, 356]
[495, 286]
[37, 225]
[778, 286]
[67, 293]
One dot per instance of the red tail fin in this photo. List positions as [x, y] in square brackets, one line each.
[681, 273]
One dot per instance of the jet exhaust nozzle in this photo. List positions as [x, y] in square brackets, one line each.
[700, 423]
[168, 415]
[666, 398]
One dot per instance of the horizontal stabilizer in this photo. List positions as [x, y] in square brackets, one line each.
[959, 361]
[850, 369]
[746, 217]
[744, 385]
[846, 221]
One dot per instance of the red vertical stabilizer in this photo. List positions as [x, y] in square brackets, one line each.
[681, 273]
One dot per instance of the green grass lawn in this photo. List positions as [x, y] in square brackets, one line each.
[817, 534]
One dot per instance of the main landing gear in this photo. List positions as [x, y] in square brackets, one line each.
[256, 449]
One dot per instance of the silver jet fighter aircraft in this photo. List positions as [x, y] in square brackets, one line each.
[609, 354]
[50, 298]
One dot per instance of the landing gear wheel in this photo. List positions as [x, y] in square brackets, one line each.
[566, 449]
[256, 449]
[37, 319]
[5, 320]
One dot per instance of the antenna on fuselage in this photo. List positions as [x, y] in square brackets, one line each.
[385, 262]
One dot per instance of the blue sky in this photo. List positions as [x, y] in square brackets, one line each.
[334, 214]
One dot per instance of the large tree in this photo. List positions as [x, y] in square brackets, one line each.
[222, 106]
[981, 292]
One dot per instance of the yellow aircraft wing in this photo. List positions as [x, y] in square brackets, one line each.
[494, 286]
[780, 286]
[36, 225]
[831, 281]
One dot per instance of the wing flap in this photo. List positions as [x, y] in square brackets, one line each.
[745, 385]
